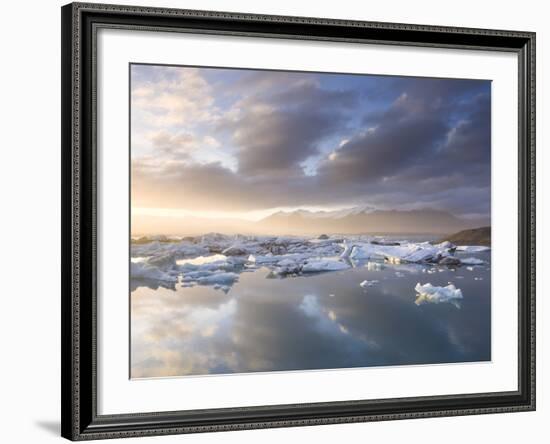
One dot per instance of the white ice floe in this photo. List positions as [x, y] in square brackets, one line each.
[367, 283]
[348, 250]
[317, 265]
[266, 259]
[450, 260]
[142, 270]
[472, 248]
[236, 250]
[471, 261]
[434, 294]
[177, 249]
[374, 266]
[397, 254]
[217, 260]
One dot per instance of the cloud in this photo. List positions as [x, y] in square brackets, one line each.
[425, 144]
[247, 140]
[169, 96]
[278, 129]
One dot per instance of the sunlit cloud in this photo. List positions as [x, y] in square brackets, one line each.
[248, 142]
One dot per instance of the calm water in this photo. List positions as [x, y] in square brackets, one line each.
[310, 322]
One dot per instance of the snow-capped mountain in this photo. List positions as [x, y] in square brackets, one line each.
[336, 214]
[365, 219]
[357, 220]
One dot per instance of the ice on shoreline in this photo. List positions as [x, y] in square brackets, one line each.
[217, 260]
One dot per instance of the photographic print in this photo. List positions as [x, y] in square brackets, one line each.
[294, 221]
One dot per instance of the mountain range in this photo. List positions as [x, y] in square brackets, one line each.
[356, 220]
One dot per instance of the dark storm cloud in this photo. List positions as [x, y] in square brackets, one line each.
[398, 138]
[279, 130]
[425, 142]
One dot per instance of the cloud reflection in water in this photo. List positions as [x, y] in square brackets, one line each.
[316, 322]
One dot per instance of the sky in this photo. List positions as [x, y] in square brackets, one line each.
[245, 143]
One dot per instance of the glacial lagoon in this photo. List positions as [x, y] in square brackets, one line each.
[196, 311]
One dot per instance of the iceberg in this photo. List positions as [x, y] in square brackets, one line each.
[397, 254]
[472, 261]
[450, 260]
[472, 248]
[142, 270]
[374, 266]
[434, 294]
[236, 250]
[267, 259]
[367, 283]
[218, 260]
[318, 265]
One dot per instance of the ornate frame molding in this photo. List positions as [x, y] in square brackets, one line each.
[80, 22]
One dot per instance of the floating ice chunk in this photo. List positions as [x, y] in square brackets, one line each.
[450, 260]
[348, 250]
[423, 252]
[375, 266]
[478, 279]
[396, 253]
[267, 259]
[286, 263]
[385, 242]
[141, 270]
[218, 278]
[200, 260]
[472, 261]
[208, 267]
[177, 249]
[236, 250]
[316, 265]
[446, 245]
[236, 261]
[434, 294]
[470, 268]
[472, 248]
[366, 283]
[162, 260]
[285, 267]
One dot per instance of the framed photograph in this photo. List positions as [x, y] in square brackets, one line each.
[283, 221]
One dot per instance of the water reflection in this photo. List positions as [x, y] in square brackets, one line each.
[314, 322]
[152, 284]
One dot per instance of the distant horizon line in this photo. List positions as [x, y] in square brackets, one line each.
[171, 236]
[259, 215]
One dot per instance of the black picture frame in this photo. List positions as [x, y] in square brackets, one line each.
[80, 22]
